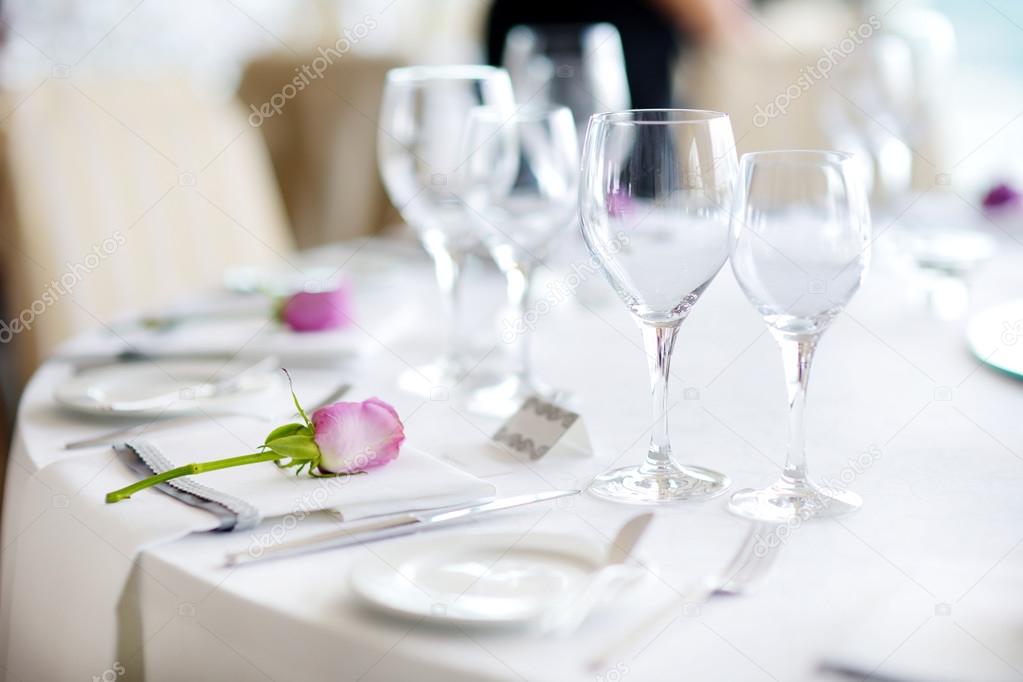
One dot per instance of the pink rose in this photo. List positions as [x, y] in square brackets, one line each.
[357, 436]
[313, 311]
[1001, 196]
[619, 204]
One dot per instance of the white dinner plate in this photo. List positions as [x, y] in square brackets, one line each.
[95, 391]
[996, 337]
[497, 579]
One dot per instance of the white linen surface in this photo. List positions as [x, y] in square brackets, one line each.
[950, 641]
[898, 409]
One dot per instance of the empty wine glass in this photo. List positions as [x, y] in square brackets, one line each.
[869, 112]
[800, 246]
[422, 116]
[580, 66]
[520, 180]
[654, 199]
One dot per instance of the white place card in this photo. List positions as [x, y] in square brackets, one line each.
[540, 427]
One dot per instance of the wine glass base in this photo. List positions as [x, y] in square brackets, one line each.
[786, 501]
[435, 380]
[506, 395]
[443, 379]
[636, 485]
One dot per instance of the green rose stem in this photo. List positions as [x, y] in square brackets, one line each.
[295, 443]
[190, 469]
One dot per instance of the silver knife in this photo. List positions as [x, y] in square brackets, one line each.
[81, 362]
[395, 525]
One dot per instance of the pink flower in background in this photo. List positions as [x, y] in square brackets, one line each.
[357, 436]
[314, 311]
[1001, 196]
[619, 203]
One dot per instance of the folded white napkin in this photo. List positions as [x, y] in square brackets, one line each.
[259, 491]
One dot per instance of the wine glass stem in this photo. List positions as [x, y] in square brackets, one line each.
[660, 342]
[519, 280]
[448, 270]
[797, 355]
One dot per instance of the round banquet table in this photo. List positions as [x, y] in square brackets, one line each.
[898, 408]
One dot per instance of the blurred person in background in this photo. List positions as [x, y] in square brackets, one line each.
[653, 32]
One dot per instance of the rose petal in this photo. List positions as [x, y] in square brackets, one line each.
[357, 436]
[1001, 195]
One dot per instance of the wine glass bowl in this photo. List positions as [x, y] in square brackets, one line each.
[669, 205]
[580, 66]
[800, 247]
[802, 237]
[521, 178]
[654, 200]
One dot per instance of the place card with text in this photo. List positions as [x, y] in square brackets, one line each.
[541, 427]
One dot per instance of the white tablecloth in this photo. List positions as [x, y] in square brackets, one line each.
[934, 556]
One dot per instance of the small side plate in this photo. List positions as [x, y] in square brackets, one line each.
[995, 336]
[94, 391]
[496, 579]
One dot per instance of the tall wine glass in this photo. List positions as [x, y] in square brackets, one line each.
[654, 197]
[521, 182]
[799, 249]
[423, 114]
[580, 66]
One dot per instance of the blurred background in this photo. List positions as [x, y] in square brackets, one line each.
[228, 132]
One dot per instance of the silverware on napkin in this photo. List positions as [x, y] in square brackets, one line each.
[742, 572]
[110, 437]
[86, 361]
[390, 526]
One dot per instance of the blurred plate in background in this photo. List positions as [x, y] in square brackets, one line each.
[996, 337]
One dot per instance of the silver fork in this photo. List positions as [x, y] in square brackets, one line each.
[109, 437]
[740, 575]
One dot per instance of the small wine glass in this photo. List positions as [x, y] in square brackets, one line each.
[800, 246]
[423, 113]
[521, 182]
[654, 200]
